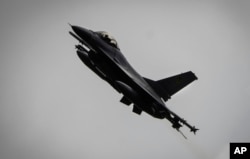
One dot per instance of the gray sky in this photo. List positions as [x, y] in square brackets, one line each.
[52, 106]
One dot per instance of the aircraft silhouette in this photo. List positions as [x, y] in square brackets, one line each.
[100, 52]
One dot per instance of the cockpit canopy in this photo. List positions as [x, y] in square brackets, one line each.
[108, 38]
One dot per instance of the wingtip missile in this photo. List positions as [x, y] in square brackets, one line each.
[76, 37]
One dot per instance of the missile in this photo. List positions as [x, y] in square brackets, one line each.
[85, 46]
[76, 37]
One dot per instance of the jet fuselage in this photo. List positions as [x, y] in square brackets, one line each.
[100, 52]
[116, 70]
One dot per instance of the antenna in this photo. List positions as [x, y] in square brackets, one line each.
[182, 133]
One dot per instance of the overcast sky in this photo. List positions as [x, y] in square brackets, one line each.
[54, 107]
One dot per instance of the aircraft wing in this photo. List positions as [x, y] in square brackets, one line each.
[167, 87]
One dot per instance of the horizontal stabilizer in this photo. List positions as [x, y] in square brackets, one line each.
[165, 88]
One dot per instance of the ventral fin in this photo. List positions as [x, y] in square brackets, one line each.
[125, 100]
[137, 110]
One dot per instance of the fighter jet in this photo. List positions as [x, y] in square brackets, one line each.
[100, 52]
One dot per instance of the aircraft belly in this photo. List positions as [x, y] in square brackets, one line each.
[141, 95]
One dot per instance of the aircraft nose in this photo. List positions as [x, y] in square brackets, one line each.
[82, 32]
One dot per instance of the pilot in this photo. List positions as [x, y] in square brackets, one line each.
[109, 39]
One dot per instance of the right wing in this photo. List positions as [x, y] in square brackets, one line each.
[167, 87]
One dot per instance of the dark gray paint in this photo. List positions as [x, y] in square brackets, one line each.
[42, 114]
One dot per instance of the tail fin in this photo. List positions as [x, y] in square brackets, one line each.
[165, 88]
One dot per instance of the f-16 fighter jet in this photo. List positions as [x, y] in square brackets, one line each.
[100, 52]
